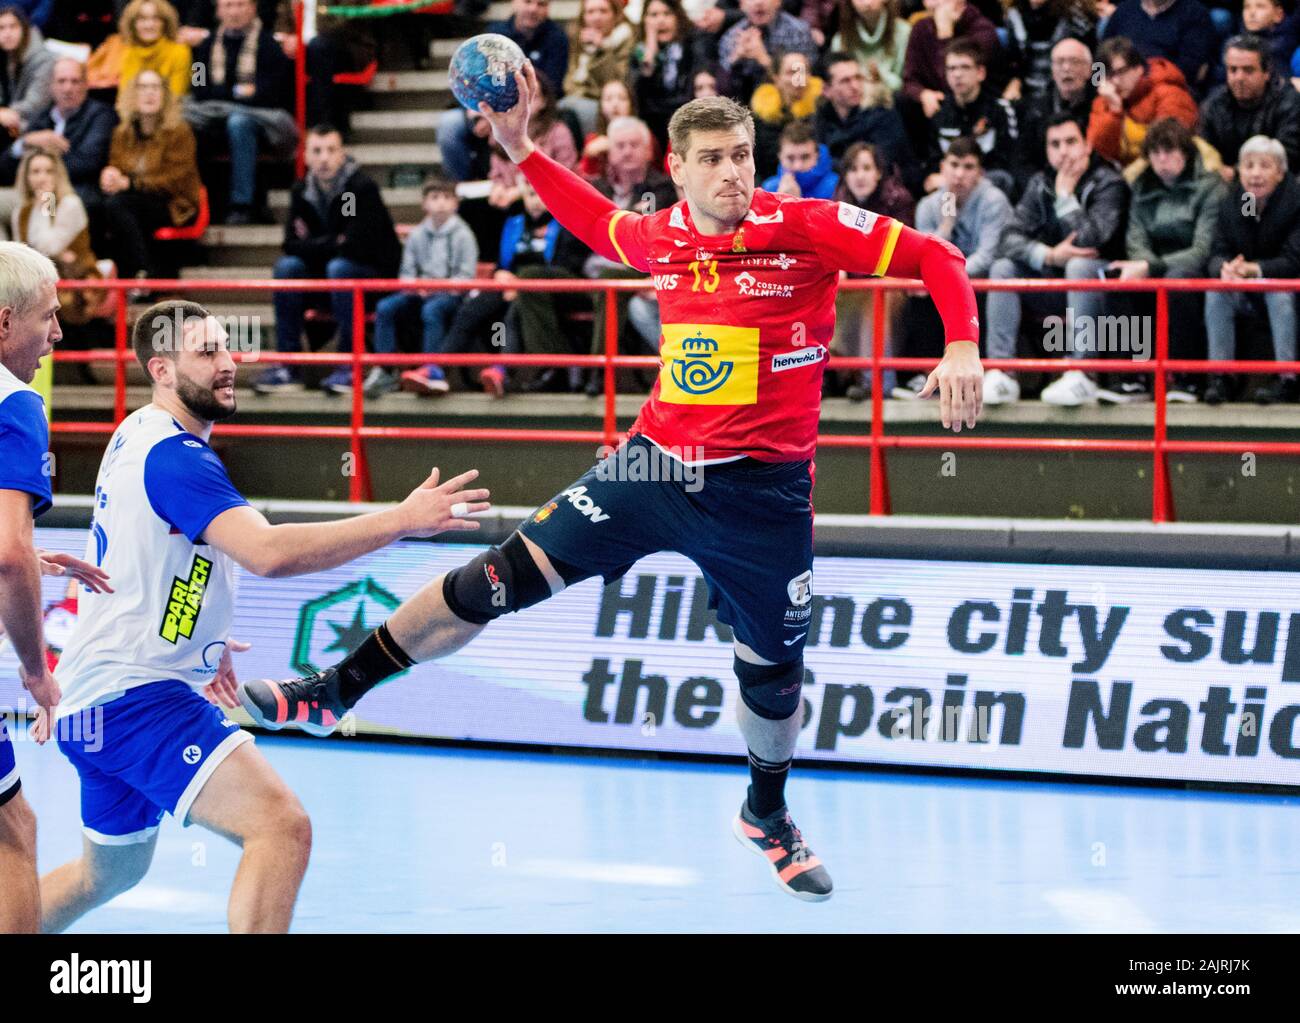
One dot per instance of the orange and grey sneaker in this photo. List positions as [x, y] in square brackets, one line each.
[311, 703]
[778, 841]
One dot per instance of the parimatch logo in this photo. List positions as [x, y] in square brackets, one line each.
[185, 602]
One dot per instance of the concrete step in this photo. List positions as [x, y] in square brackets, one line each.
[396, 121]
[244, 236]
[411, 81]
[378, 157]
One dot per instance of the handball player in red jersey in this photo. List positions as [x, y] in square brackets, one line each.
[746, 281]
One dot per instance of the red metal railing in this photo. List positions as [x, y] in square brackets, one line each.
[876, 440]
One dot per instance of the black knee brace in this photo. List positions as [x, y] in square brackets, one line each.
[498, 581]
[770, 690]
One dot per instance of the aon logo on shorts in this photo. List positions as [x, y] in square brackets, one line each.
[708, 364]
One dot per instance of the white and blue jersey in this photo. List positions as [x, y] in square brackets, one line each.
[24, 446]
[169, 615]
[132, 720]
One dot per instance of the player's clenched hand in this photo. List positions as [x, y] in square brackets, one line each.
[93, 578]
[433, 507]
[46, 692]
[223, 690]
[511, 126]
[960, 379]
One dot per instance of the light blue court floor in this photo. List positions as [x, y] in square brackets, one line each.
[412, 838]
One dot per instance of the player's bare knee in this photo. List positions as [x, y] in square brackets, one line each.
[286, 822]
[18, 827]
[498, 581]
[115, 870]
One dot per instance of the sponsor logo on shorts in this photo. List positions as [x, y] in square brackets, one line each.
[185, 602]
[793, 360]
[798, 617]
[792, 642]
[800, 589]
[545, 512]
[751, 285]
[192, 755]
[577, 496]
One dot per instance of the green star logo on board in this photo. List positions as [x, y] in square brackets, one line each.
[333, 625]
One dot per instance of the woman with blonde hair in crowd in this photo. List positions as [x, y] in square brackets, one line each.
[599, 49]
[149, 30]
[52, 219]
[152, 176]
[26, 67]
[874, 33]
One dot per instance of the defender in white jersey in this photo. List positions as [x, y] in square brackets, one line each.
[169, 527]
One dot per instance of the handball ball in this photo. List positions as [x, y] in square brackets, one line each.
[483, 71]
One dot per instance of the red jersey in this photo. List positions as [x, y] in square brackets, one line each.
[747, 318]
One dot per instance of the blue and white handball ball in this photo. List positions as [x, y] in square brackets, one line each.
[483, 71]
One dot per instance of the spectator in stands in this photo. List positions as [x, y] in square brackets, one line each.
[1136, 92]
[708, 81]
[1034, 27]
[615, 102]
[873, 33]
[598, 52]
[200, 17]
[1069, 223]
[749, 48]
[711, 21]
[338, 227]
[77, 128]
[1280, 32]
[86, 23]
[554, 131]
[1179, 31]
[51, 219]
[441, 247]
[791, 96]
[1257, 235]
[533, 245]
[969, 211]
[1255, 101]
[542, 40]
[845, 116]
[868, 180]
[38, 11]
[1172, 215]
[152, 177]
[341, 45]
[925, 79]
[971, 110]
[1072, 91]
[663, 65]
[243, 98]
[806, 170]
[26, 68]
[631, 182]
[149, 30]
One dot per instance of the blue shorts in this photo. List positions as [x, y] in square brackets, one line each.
[146, 753]
[747, 525]
[10, 783]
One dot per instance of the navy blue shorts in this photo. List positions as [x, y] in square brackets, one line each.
[146, 753]
[9, 780]
[746, 524]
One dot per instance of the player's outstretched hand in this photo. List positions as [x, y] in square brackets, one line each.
[960, 379]
[93, 578]
[223, 690]
[511, 126]
[433, 507]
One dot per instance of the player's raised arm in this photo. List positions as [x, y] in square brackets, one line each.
[893, 249]
[599, 224]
